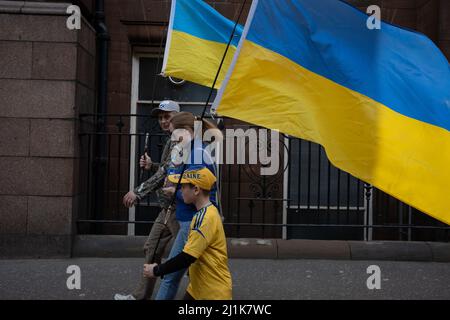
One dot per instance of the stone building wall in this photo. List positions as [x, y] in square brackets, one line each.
[47, 77]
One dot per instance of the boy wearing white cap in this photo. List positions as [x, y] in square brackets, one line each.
[205, 252]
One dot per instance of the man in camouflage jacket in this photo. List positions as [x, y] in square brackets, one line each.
[166, 226]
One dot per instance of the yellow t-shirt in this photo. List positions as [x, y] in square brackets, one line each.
[209, 276]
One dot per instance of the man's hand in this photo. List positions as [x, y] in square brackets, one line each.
[145, 162]
[129, 199]
[168, 191]
[148, 270]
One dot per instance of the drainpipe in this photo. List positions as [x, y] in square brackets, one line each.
[102, 45]
[102, 87]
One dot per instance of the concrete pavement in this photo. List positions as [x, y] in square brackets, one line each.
[258, 279]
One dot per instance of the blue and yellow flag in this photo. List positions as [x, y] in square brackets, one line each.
[377, 100]
[196, 41]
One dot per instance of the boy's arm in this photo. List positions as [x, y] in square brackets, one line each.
[179, 262]
[198, 240]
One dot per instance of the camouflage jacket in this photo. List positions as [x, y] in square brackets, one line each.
[156, 181]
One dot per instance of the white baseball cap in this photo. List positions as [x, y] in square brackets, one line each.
[168, 106]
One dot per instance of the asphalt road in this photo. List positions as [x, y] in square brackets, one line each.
[252, 279]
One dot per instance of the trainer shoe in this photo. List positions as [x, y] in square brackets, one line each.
[119, 296]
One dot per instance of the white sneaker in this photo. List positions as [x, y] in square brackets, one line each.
[118, 296]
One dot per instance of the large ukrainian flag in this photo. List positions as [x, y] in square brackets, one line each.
[377, 100]
[196, 41]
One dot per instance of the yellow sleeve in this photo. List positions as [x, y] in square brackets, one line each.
[201, 234]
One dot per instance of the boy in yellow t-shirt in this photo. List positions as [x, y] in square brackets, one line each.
[205, 252]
